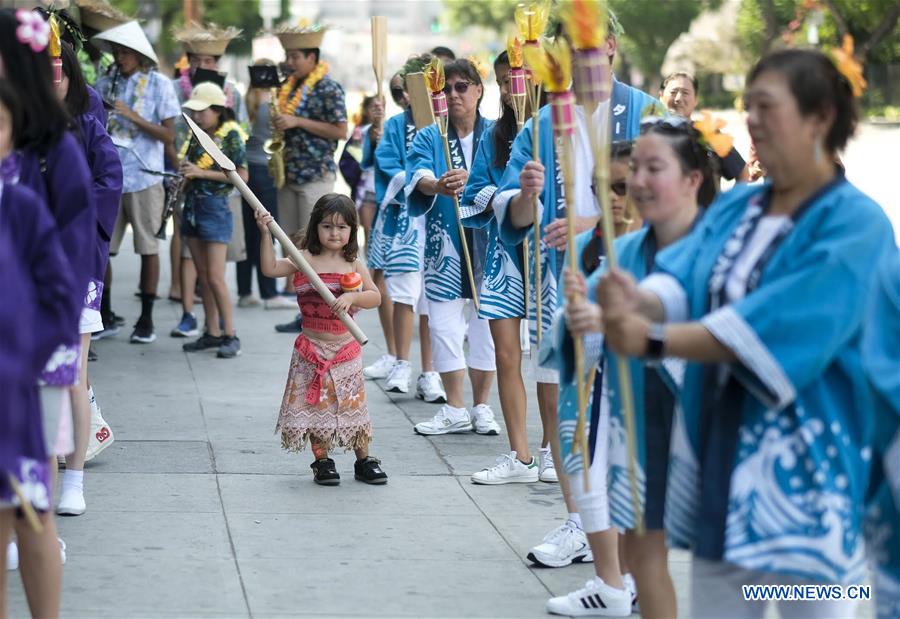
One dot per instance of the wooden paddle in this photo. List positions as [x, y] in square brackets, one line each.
[419, 100]
[294, 254]
[379, 55]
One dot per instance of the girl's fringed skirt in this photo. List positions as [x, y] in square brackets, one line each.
[325, 399]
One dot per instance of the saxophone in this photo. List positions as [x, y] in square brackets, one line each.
[274, 146]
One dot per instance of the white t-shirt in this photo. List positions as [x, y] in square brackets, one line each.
[766, 231]
[585, 202]
[466, 144]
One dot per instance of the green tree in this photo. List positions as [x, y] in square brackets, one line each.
[650, 25]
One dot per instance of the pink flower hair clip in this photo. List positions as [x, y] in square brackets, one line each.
[32, 30]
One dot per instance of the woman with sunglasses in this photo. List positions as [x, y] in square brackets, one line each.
[618, 118]
[671, 181]
[766, 299]
[502, 294]
[430, 189]
[402, 239]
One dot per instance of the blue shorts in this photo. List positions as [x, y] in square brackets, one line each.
[208, 218]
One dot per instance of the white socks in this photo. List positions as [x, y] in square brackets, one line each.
[73, 479]
[575, 519]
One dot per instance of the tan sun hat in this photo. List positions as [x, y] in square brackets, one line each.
[301, 36]
[100, 15]
[130, 35]
[205, 95]
[205, 39]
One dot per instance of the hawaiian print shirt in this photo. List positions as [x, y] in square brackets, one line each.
[307, 156]
[152, 96]
[233, 147]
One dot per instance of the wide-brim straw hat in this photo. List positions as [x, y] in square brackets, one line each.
[100, 15]
[301, 37]
[130, 35]
[206, 40]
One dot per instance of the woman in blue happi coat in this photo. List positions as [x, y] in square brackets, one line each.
[399, 247]
[431, 187]
[502, 294]
[766, 299]
[672, 180]
[881, 359]
[618, 118]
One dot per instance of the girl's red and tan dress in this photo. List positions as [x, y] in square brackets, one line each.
[325, 397]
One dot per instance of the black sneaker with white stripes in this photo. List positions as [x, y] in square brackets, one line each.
[595, 599]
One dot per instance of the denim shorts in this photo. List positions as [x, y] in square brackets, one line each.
[208, 218]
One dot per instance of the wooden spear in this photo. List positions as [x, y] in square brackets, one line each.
[379, 56]
[294, 254]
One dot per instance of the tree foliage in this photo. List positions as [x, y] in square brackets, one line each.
[650, 25]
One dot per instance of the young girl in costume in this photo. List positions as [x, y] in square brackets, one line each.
[325, 398]
[38, 312]
[206, 223]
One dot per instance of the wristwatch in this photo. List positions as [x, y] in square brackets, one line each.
[656, 342]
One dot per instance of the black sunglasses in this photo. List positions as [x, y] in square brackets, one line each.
[461, 88]
[396, 94]
[620, 188]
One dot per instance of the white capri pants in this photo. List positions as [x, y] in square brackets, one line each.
[450, 322]
[408, 289]
[593, 504]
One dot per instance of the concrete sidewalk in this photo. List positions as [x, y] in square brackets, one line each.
[196, 511]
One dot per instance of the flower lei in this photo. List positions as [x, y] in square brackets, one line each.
[289, 106]
[206, 162]
[115, 126]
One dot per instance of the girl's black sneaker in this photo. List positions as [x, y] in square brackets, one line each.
[369, 471]
[325, 473]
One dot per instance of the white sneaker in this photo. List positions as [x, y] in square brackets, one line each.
[631, 587]
[548, 471]
[430, 388]
[12, 556]
[508, 470]
[381, 368]
[279, 302]
[564, 545]
[101, 435]
[62, 550]
[446, 421]
[483, 420]
[595, 599]
[71, 502]
[249, 301]
[398, 379]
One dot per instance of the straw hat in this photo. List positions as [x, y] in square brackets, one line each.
[205, 39]
[100, 15]
[301, 36]
[204, 95]
[130, 35]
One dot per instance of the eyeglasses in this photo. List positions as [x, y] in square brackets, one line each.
[670, 122]
[460, 87]
[396, 94]
[619, 188]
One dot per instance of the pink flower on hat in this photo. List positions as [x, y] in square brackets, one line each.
[32, 30]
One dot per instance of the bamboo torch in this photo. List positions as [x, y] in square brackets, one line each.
[555, 66]
[586, 23]
[434, 78]
[518, 96]
[379, 54]
[531, 19]
[294, 254]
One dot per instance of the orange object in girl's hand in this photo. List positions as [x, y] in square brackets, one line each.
[351, 282]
